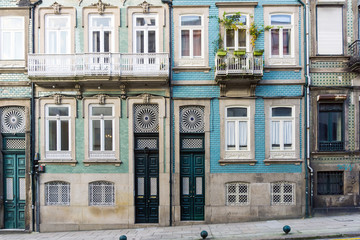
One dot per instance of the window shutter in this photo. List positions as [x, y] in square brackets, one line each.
[329, 30]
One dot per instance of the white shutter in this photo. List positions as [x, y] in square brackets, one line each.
[329, 30]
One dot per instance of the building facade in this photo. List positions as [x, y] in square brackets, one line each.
[334, 104]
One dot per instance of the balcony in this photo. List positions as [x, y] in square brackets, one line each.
[85, 65]
[354, 52]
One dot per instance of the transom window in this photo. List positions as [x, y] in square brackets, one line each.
[101, 37]
[101, 127]
[191, 36]
[282, 193]
[57, 193]
[237, 194]
[101, 193]
[237, 128]
[238, 39]
[57, 34]
[12, 40]
[145, 33]
[281, 35]
[282, 130]
[58, 128]
[330, 183]
[331, 127]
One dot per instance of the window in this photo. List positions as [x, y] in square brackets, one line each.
[237, 194]
[329, 30]
[191, 36]
[101, 194]
[101, 128]
[57, 34]
[145, 33]
[282, 130]
[238, 39]
[57, 193]
[101, 37]
[237, 128]
[281, 35]
[58, 130]
[331, 127]
[330, 183]
[12, 40]
[282, 193]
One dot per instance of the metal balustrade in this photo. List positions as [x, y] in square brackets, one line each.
[94, 64]
[354, 52]
[247, 64]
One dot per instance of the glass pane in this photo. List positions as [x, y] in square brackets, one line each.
[151, 42]
[280, 19]
[153, 186]
[151, 22]
[191, 21]
[64, 47]
[13, 23]
[61, 111]
[105, 111]
[243, 135]
[19, 43]
[185, 186]
[52, 136]
[230, 135]
[242, 38]
[107, 39]
[237, 112]
[197, 43]
[239, 20]
[286, 41]
[230, 35]
[51, 42]
[108, 135]
[139, 41]
[101, 22]
[185, 43]
[140, 21]
[199, 185]
[323, 126]
[336, 126]
[274, 41]
[65, 135]
[287, 134]
[22, 191]
[281, 112]
[96, 41]
[9, 189]
[6, 49]
[275, 139]
[140, 186]
[96, 135]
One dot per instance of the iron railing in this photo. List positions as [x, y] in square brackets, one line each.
[354, 52]
[247, 64]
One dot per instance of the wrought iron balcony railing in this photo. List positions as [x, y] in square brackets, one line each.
[94, 64]
[247, 64]
[354, 51]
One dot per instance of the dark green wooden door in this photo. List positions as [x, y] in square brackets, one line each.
[192, 184]
[147, 182]
[14, 191]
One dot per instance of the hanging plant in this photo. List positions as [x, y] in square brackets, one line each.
[231, 21]
[255, 31]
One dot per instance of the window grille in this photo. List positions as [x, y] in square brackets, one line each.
[13, 120]
[282, 193]
[15, 143]
[146, 118]
[330, 183]
[57, 193]
[191, 143]
[192, 119]
[237, 194]
[101, 194]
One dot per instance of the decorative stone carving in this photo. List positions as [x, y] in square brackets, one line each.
[123, 91]
[57, 7]
[101, 99]
[282, 154]
[145, 6]
[57, 99]
[146, 98]
[100, 6]
[237, 155]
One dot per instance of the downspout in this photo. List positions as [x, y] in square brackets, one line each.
[169, 2]
[35, 200]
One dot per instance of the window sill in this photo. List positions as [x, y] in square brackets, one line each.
[224, 162]
[281, 68]
[88, 162]
[283, 161]
[191, 69]
[72, 162]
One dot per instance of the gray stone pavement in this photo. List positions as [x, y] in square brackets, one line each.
[314, 228]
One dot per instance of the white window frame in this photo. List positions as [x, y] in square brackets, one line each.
[237, 120]
[58, 32]
[281, 28]
[191, 29]
[102, 128]
[12, 30]
[238, 195]
[58, 153]
[282, 193]
[103, 185]
[146, 30]
[58, 186]
[281, 120]
[236, 35]
[101, 29]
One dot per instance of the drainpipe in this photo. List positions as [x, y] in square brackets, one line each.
[169, 2]
[35, 200]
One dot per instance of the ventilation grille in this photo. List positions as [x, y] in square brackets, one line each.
[191, 143]
[15, 143]
[150, 143]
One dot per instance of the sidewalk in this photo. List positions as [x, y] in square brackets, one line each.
[310, 228]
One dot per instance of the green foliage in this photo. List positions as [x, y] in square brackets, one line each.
[231, 21]
[255, 31]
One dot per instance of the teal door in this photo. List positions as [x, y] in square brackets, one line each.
[14, 191]
[192, 178]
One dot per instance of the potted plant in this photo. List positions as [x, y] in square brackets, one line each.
[239, 53]
[258, 52]
[221, 52]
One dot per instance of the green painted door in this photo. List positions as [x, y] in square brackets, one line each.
[147, 181]
[192, 175]
[14, 191]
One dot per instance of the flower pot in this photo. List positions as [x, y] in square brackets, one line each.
[239, 53]
[258, 52]
[221, 53]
